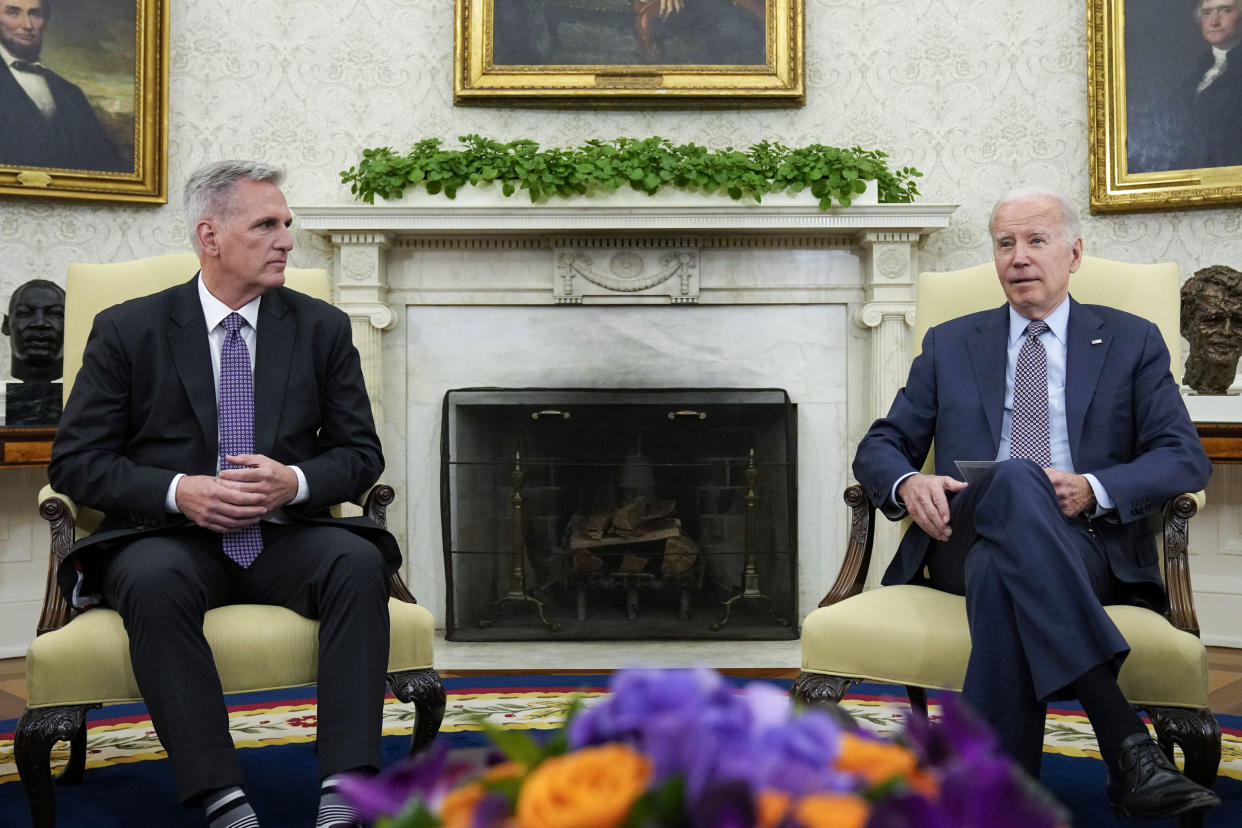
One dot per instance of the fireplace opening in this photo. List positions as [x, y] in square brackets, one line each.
[619, 514]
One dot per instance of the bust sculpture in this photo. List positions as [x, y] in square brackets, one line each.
[35, 326]
[1212, 323]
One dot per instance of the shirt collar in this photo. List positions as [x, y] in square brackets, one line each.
[9, 58]
[214, 310]
[1219, 54]
[1058, 322]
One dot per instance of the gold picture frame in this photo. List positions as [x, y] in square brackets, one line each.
[96, 128]
[1156, 142]
[629, 53]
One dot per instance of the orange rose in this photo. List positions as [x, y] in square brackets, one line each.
[876, 762]
[832, 810]
[770, 808]
[589, 788]
[457, 809]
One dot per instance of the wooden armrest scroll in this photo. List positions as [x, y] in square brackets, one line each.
[853, 573]
[1177, 515]
[375, 506]
[59, 511]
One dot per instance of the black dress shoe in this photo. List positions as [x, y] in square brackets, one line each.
[1146, 785]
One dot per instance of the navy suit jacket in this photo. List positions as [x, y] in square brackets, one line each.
[72, 138]
[1126, 421]
[143, 408]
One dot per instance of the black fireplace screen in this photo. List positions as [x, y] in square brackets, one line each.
[619, 514]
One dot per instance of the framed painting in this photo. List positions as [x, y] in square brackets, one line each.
[84, 99]
[629, 53]
[1164, 106]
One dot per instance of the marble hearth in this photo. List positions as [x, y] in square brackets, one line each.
[706, 295]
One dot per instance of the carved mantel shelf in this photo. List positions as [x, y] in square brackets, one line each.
[624, 249]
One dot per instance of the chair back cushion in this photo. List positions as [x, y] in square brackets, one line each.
[90, 288]
[1151, 291]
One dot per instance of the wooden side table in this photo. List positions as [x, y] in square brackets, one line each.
[1221, 441]
[26, 448]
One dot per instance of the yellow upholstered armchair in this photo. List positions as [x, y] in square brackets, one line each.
[917, 636]
[78, 663]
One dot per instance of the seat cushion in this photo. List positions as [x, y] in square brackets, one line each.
[256, 647]
[913, 635]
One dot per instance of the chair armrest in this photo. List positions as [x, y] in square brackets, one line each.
[853, 573]
[1177, 515]
[375, 501]
[62, 513]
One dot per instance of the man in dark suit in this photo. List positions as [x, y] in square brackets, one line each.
[1076, 406]
[214, 423]
[45, 121]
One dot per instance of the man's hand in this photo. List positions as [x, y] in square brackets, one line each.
[275, 482]
[1073, 492]
[213, 504]
[926, 499]
[669, 7]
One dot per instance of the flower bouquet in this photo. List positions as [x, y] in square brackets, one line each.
[672, 748]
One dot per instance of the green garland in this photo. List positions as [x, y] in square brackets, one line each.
[833, 175]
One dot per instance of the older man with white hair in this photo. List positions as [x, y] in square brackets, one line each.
[1087, 435]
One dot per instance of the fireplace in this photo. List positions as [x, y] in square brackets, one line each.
[619, 513]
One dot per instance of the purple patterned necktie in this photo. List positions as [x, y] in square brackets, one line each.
[237, 427]
[1028, 431]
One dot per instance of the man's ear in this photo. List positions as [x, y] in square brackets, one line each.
[205, 232]
[4, 327]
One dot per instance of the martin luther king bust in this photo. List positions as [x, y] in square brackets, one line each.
[35, 326]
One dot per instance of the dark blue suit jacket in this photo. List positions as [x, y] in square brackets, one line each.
[1126, 420]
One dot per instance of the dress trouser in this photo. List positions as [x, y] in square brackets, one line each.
[1035, 583]
[163, 585]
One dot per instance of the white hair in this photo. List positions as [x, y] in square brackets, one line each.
[1071, 226]
[209, 192]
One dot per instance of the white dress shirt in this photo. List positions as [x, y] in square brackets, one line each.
[33, 83]
[214, 312]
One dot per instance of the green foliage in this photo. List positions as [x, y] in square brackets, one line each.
[648, 164]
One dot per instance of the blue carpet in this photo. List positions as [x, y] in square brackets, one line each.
[282, 779]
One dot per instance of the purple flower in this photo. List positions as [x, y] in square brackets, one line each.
[427, 776]
[909, 811]
[960, 734]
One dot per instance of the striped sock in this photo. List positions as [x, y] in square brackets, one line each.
[334, 811]
[228, 808]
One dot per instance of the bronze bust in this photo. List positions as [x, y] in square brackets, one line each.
[35, 326]
[1212, 323]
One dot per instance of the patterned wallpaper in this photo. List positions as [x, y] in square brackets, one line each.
[982, 95]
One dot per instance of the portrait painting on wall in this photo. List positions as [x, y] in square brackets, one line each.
[1165, 103]
[83, 98]
[629, 52]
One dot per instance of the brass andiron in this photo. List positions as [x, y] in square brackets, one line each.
[750, 570]
[517, 563]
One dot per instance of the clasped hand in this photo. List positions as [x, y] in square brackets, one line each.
[926, 497]
[236, 498]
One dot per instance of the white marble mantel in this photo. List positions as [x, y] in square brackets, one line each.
[819, 301]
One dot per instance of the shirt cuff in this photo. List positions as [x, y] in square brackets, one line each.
[170, 499]
[893, 494]
[1103, 503]
[303, 489]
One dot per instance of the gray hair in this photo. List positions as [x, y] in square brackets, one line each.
[1071, 226]
[209, 192]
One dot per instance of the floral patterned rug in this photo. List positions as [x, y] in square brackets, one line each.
[121, 737]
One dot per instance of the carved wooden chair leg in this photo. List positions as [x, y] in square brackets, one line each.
[918, 698]
[1196, 732]
[424, 689]
[818, 689]
[38, 731]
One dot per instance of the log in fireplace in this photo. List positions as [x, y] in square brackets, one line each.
[619, 514]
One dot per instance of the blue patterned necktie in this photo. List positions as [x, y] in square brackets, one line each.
[1028, 430]
[237, 427]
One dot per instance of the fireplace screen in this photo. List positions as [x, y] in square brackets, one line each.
[619, 514]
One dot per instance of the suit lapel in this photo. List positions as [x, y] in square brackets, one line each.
[988, 355]
[1089, 341]
[272, 363]
[191, 356]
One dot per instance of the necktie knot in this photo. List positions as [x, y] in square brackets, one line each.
[1036, 328]
[233, 322]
